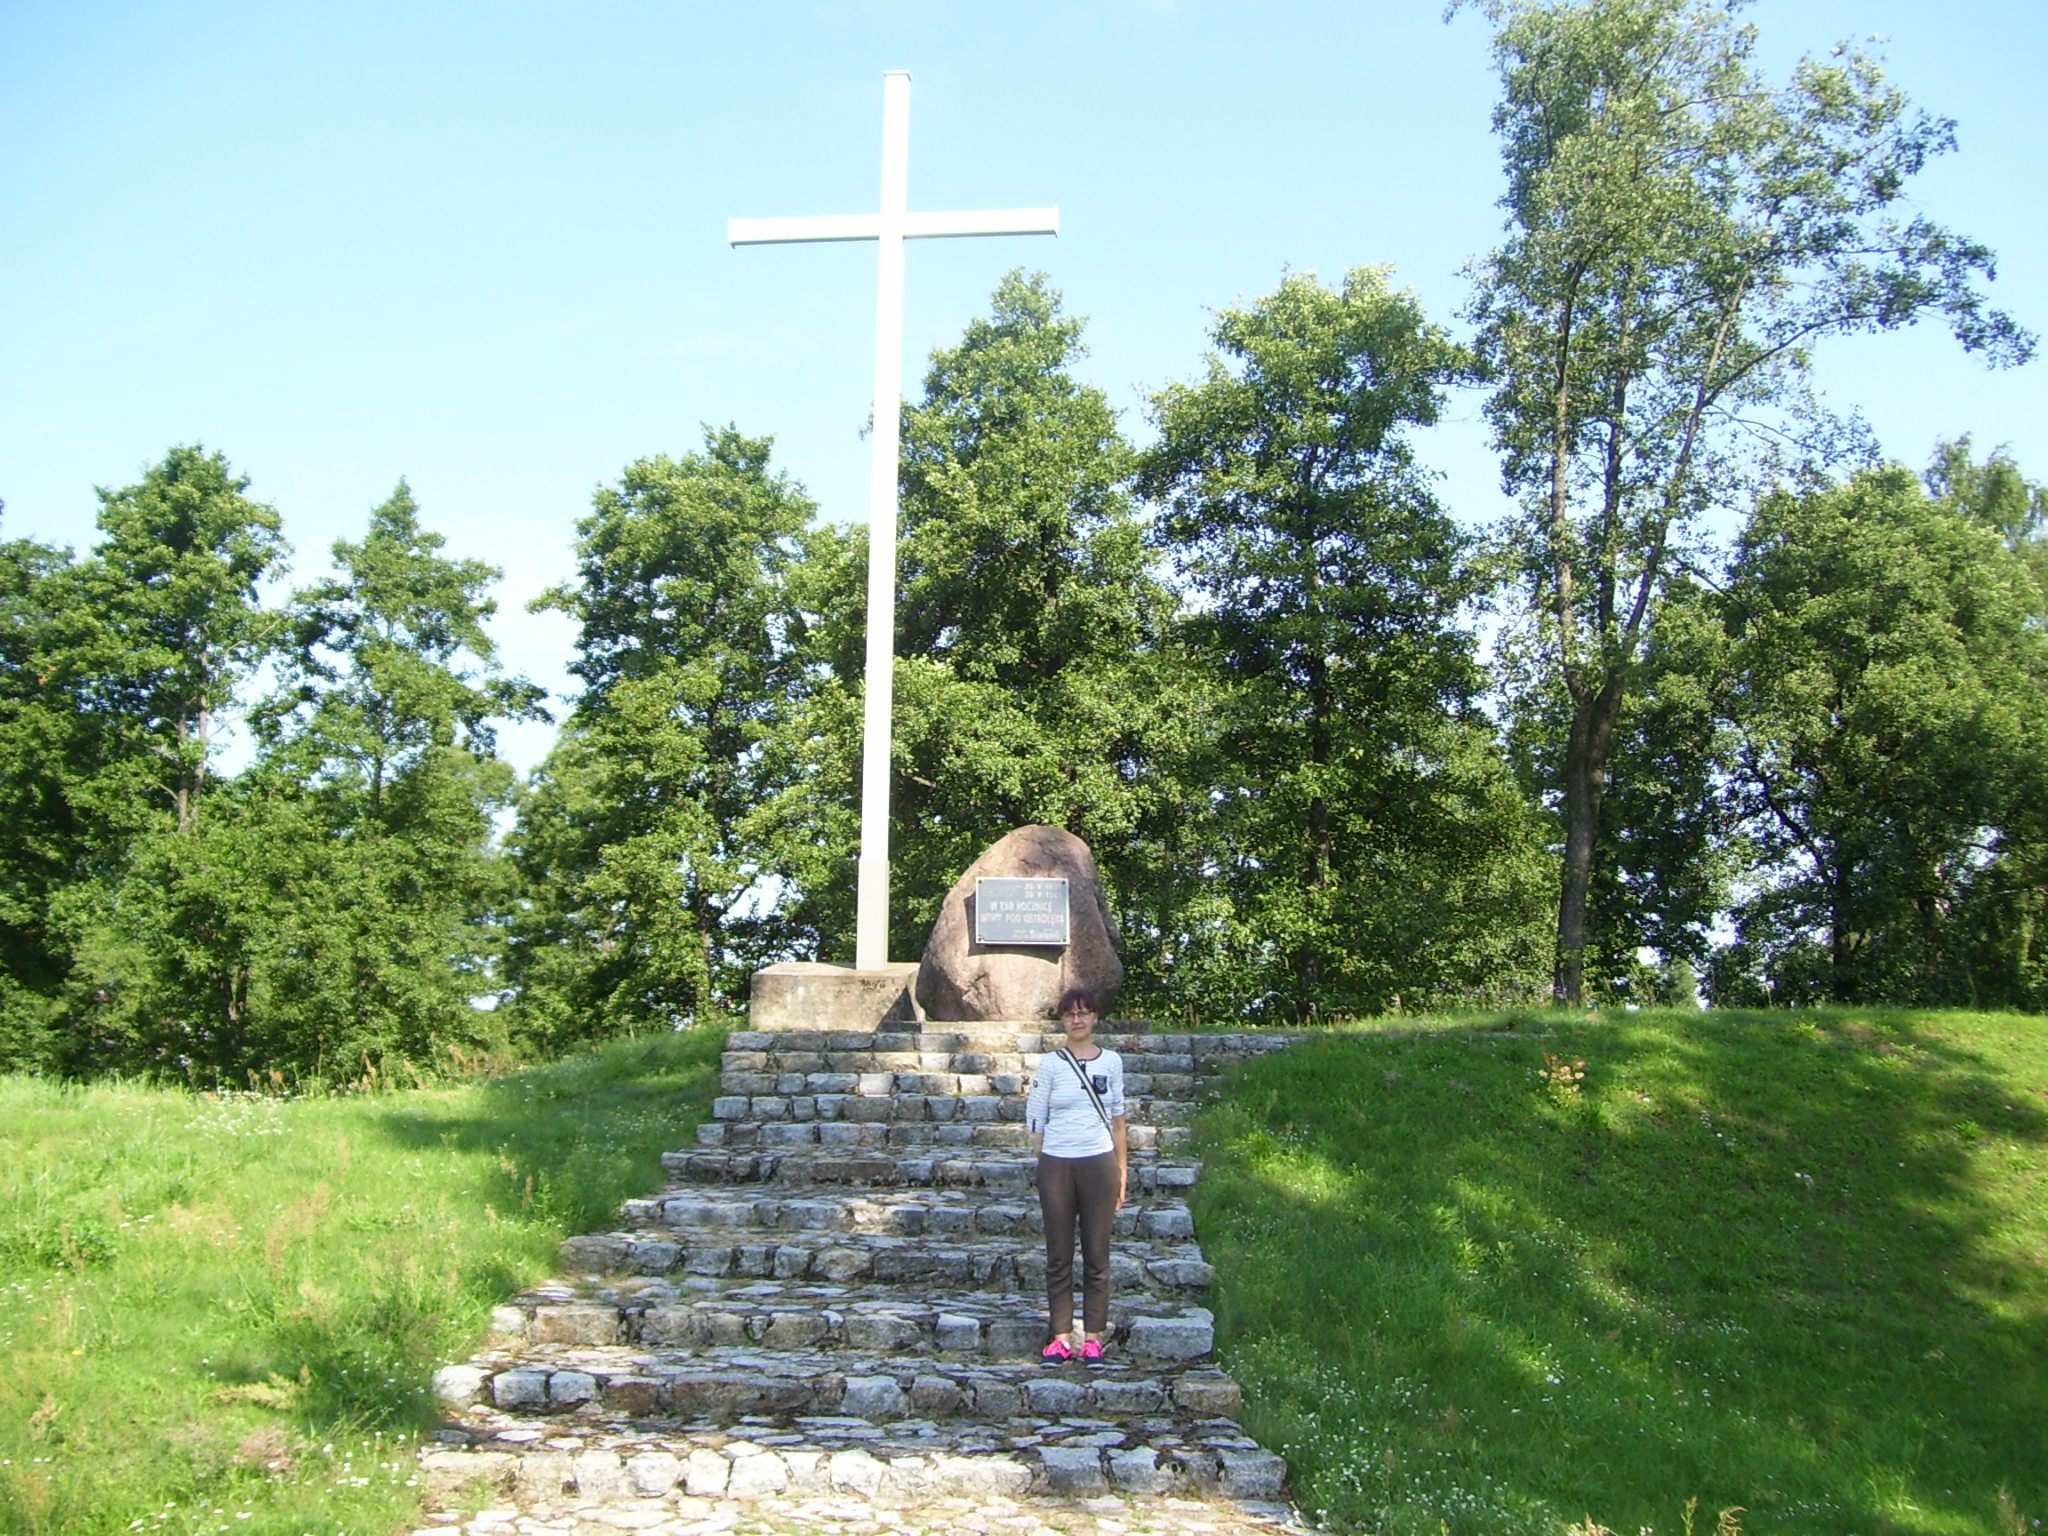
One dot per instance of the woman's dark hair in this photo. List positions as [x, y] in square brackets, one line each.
[1078, 997]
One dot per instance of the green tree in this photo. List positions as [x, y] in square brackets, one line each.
[2003, 911]
[1374, 845]
[1890, 695]
[390, 662]
[648, 901]
[379, 749]
[43, 844]
[151, 638]
[331, 907]
[171, 624]
[1681, 234]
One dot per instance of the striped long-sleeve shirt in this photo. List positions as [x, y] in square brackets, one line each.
[1059, 1107]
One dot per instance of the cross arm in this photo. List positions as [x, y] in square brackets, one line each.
[828, 226]
[912, 226]
[985, 221]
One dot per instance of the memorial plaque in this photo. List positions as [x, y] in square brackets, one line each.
[1015, 911]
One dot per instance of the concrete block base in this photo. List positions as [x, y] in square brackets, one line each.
[802, 994]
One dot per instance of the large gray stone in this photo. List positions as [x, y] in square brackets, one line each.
[1187, 1337]
[705, 1473]
[523, 1388]
[601, 1475]
[1052, 1397]
[872, 1397]
[654, 1473]
[1138, 1471]
[1253, 1474]
[857, 1471]
[1074, 1472]
[755, 1476]
[459, 1385]
[960, 979]
[568, 1388]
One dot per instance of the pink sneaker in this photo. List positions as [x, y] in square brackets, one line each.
[1059, 1352]
[1091, 1352]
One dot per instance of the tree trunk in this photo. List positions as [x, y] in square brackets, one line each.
[1585, 785]
[1841, 941]
[1308, 964]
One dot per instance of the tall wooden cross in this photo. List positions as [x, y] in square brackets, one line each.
[888, 228]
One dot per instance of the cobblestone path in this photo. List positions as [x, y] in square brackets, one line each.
[830, 1321]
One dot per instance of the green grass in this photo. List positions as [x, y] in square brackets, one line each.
[1790, 1266]
[222, 1313]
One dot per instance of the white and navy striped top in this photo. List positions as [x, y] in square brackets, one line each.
[1059, 1107]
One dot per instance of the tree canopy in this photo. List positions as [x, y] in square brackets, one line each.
[1337, 749]
[1681, 233]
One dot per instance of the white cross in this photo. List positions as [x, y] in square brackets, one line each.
[888, 228]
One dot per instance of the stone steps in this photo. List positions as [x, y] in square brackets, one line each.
[877, 1318]
[841, 1292]
[992, 1168]
[905, 1211]
[1002, 1263]
[725, 1385]
[596, 1455]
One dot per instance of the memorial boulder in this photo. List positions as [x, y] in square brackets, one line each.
[978, 967]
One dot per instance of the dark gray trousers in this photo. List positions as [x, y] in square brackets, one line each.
[1083, 1187]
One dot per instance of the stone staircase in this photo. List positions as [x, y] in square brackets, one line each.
[841, 1292]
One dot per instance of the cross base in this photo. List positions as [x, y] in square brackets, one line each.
[803, 994]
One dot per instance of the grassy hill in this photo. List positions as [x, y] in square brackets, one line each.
[1480, 1276]
[221, 1313]
[1649, 1272]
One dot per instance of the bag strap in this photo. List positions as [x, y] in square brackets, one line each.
[1086, 1087]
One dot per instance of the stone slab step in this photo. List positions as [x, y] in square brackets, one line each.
[601, 1456]
[1208, 1052]
[953, 1076]
[815, 1316]
[904, 1211]
[976, 1168]
[978, 1035]
[1007, 1263]
[908, 1135]
[929, 1071]
[746, 1104]
[726, 1386]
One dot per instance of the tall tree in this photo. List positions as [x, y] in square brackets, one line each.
[390, 661]
[648, 896]
[153, 635]
[379, 747]
[43, 842]
[1890, 670]
[1369, 827]
[1681, 234]
[173, 624]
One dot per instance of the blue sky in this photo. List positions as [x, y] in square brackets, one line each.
[482, 246]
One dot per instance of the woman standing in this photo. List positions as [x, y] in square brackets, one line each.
[1076, 1118]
